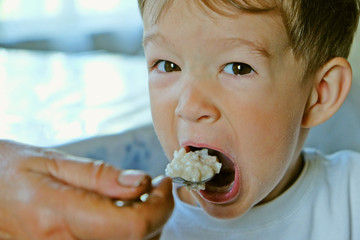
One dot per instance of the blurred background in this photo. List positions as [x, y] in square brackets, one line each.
[70, 69]
[71, 25]
[74, 69]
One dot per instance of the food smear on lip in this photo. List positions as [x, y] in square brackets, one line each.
[194, 166]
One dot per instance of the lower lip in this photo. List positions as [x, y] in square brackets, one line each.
[223, 197]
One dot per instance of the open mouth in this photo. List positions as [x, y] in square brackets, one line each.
[225, 185]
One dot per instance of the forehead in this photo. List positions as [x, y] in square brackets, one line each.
[153, 10]
[262, 30]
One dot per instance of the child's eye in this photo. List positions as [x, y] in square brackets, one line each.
[237, 68]
[167, 66]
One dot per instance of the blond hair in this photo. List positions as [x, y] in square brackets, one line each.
[317, 30]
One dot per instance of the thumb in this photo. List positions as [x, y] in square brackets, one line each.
[92, 175]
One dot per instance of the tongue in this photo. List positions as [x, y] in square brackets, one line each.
[223, 181]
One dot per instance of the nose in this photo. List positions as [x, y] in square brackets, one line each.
[196, 104]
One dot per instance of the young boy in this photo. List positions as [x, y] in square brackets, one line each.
[247, 80]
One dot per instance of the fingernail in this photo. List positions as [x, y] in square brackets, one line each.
[131, 178]
[156, 181]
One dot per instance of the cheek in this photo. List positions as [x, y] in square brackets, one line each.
[267, 141]
[268, 126]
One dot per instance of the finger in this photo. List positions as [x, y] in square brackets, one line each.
[135, 222]
[95, 176]
[161, 198]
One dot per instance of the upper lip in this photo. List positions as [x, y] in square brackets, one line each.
[189, 144]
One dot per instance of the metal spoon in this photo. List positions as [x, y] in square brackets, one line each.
[190, 185]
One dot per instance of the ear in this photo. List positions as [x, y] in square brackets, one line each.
[331, 84]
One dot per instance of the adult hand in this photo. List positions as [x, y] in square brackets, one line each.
[45, 194]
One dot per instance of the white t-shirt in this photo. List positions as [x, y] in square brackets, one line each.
[323, 204]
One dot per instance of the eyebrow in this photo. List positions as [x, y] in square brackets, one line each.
[253, 46]
[153, 37]
[228, 42]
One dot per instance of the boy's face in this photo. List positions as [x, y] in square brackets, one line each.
[233, 85]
